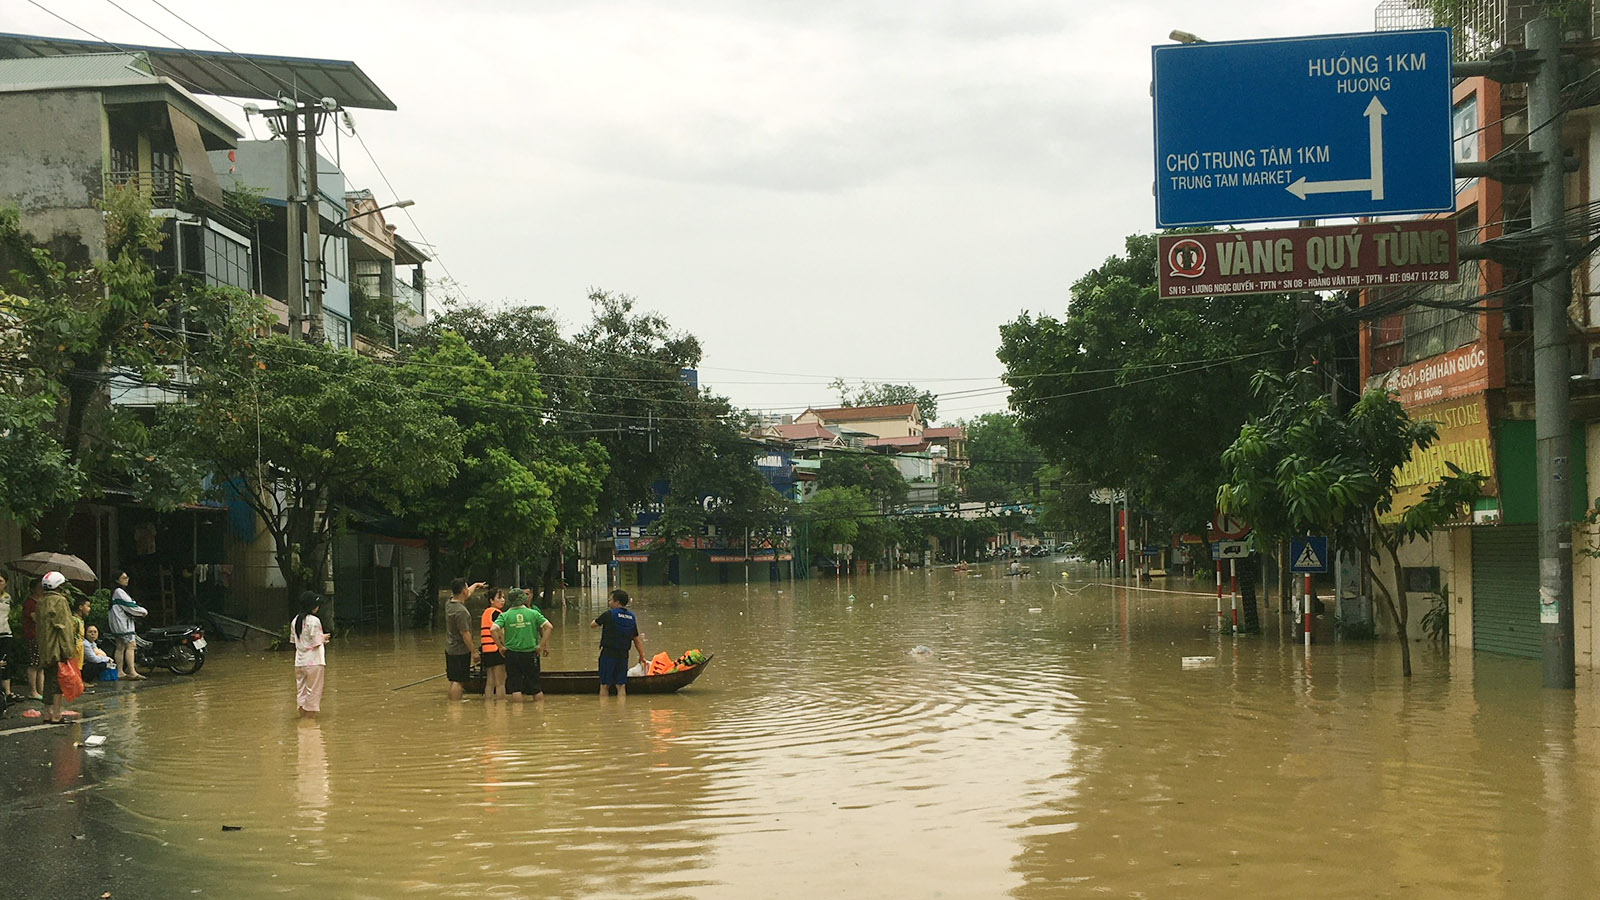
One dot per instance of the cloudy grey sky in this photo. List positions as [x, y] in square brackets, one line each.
[815, 188]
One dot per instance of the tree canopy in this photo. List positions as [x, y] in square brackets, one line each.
[1302, 468]
[73, 333]
[298, 431]
[1129, 389]
[1002, 464]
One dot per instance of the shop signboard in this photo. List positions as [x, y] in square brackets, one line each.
[1365, 255]
[1447, 376]
[1464, 441]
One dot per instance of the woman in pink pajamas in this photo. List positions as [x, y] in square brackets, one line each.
[309, 658]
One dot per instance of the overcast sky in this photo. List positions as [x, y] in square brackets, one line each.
[814, 188]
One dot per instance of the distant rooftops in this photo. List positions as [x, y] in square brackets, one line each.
[810, 431]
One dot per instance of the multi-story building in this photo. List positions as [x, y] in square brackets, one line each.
[1463, 358]
[388, 287]
[81, 118]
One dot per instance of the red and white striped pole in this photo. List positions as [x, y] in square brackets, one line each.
[1306, 611]
[1233, 592]
[1219, 596]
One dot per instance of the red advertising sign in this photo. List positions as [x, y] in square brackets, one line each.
[1373, 254]
[1448, 376]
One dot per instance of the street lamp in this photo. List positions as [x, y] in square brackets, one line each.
[1186, 37]
[398, 204]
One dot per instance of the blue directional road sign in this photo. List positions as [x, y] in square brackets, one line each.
[1303, 128]
[1308, 554]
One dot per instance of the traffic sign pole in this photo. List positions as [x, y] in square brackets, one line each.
[1307, 611]
[1233, 592]
[1219, 596]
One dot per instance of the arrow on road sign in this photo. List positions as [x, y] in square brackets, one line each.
[1375, 113]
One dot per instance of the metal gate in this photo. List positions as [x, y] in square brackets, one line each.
[1505, 590]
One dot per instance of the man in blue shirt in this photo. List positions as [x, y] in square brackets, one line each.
[618, 628]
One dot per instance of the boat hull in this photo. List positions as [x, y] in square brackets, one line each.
[588, 681]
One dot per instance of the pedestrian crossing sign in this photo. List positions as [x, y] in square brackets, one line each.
[1308, 554]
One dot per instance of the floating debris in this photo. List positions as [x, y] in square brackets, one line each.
[1199, 662]
[921, 651]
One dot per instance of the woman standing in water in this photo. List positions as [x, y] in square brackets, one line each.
[309, 657]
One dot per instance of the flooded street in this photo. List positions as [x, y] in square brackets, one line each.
[1051, 743]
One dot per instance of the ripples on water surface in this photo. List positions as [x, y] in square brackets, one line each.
[1051, 744]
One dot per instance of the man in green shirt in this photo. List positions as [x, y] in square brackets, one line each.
[524, 632]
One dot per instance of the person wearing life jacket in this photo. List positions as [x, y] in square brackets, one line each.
[494, 661]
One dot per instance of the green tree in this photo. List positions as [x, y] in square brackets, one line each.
[1132, 390]
[1003, 465]
[70, 334]
[837, 515]
[504, 500]
[877, 393]
[876, 476]
[297, 430]
[1302, 468]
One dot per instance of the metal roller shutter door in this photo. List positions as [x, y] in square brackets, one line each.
[1505, 590]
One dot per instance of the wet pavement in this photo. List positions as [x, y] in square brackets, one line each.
[919, 734]
[62, 838]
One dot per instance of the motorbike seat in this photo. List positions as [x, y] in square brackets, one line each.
[169, 630]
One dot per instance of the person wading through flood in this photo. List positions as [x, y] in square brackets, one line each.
[459, 651]
[310, 657]
[618, 628]
[494, 661]
[525, 634]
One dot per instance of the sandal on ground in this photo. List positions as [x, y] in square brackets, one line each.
[71, 714]
[31, 714]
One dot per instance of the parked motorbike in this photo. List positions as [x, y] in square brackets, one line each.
[180, 649]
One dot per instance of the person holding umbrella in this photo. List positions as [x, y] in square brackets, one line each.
[64, 566]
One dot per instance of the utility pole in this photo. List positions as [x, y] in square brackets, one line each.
[313, 226]
[1540, 65]
[295, 273]
[1551, 412]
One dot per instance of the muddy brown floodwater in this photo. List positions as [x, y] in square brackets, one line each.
[1049, 743]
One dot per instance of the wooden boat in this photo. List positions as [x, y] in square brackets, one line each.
[588, 681]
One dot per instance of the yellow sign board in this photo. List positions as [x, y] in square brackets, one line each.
[1463, 440]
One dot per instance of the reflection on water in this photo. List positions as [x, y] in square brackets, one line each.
[1049, 742]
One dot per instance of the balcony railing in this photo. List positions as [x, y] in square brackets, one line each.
[164, 189]
[408, 295]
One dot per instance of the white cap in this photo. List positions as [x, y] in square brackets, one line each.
[53, 580]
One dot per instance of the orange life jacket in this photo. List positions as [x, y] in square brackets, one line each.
[486, 642]
[659, 664]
